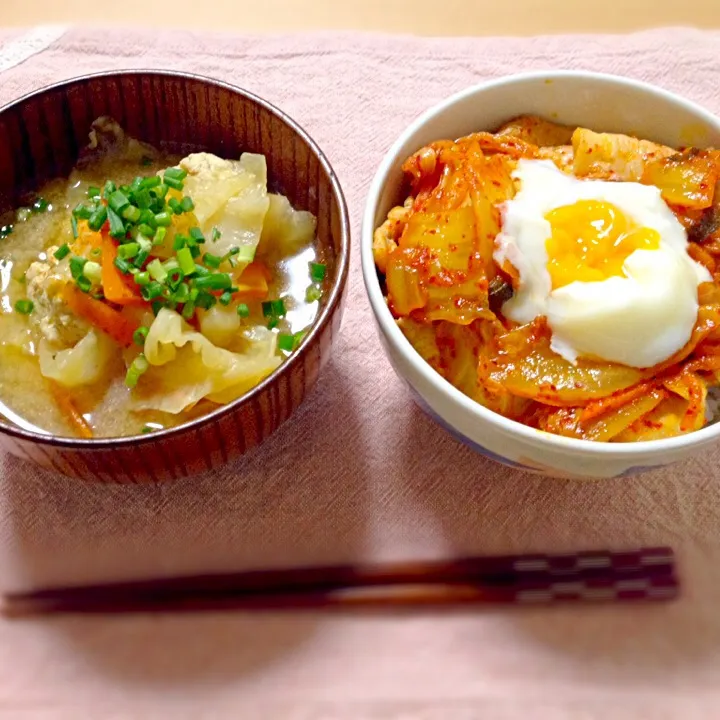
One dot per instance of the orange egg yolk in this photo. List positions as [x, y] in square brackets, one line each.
[590, 241]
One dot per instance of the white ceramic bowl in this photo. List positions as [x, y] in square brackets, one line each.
[600, 102]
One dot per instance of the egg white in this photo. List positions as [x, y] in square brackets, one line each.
[639, 320]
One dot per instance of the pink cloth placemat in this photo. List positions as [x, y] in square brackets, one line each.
[359, 473]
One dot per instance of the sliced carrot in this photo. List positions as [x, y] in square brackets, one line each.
[99, 314]
[253, 282]
[116, 287]
[67, 407]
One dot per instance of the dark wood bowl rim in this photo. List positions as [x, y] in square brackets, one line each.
[326, 312]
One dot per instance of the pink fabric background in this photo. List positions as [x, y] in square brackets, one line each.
[359, 473]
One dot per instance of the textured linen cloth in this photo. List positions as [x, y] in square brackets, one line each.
[359, 473]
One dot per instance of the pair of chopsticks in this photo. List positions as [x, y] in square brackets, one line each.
[647, 574]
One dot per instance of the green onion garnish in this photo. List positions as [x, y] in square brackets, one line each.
[185, 261]
[175, 205]
[84, 283]
[135, 185]
[243, 310]
[152, 290]
[197, 235]
[82, 212]
[273, 323]
[145, 230]
[137, 368]
[131, 214]
[217, 281]
[205, 300]
[212, 261]
[98, 218]
[142, 199]
[77, 265]
[226, 298]
[216, 235]
[62, 252]
[123, 266]
[175, 173]
[157, 306]
[174, 277]
[93, 271]
[179, 242]
[24, 307]
[150, 182]
[187, 204]
[181, 293]
[40, 205]
[274, 308]
[160, 191]
[74, 227]
[157, 271]
[173, 183]
[141, 257]
[93, 192]
[128, 250]
[117, 226]
[159, 237]
[139, 335]
[317, 272]
[142, 278]
[118, 201]
[286, 342]
[313, 294]
[109, 189]
[163, 219]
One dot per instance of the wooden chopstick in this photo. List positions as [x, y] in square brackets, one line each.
[645, 574]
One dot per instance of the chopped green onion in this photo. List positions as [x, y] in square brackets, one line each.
[175, 173]
[77, 265]
[226, 298]
[243, 310]
[139, 335]
[143, 242]
[179, 242]
[181, 293]
[140, 258]
[313, 294]
[175, 205]
[245, 253]
[62, 252]
[109, 189]
[163, 219]
[128, 250]
[142, 278]
[300, 336]
[157, 306]
[145, 230]
[98, 218]
[74, 227]
[212, 261]
[123, 265]
[24, 307]
[188, 309]
[286, 342]
[216, 234]
[205, 300]
[131, 213]
[118, 201]
[159, 237]
[197, 235]
[187, 204]
[137, 368]
[201, 271]
[151, 182]
[185, 261]
[194, 251]
[40, 205]
[82, 212]
[152, 290]
[274, 308]
[173, 183]
[117, 226]
[136, 184]
[142, 198]
[174, 277]
[217, 281]
[317, 272]
[93, 192]
[273, 323]
[93, 271]
[160, 191]
[84, 283]
[157, 271]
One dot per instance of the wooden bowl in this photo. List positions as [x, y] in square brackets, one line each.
[41, 135]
